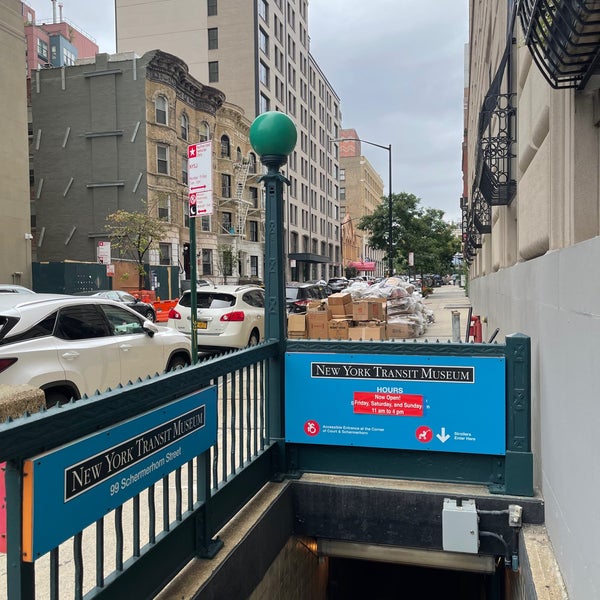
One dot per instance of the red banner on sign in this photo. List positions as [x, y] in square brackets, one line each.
[395, 405]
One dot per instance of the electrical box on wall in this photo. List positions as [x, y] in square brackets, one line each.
[460, 529]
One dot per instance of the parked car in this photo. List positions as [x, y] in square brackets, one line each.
[337, 284]
[69, 345]
[10, 288]
[144, 308]
[227, 316]
[298, 295]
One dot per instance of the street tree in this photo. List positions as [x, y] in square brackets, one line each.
[133, 233]
[226, 259]
[414, 229]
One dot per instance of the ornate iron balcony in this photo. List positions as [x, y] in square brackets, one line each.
[564, 39]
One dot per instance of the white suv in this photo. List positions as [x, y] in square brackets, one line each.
[69, 346]
[227, 316]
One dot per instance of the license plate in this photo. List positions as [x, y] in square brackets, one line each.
[202, 325]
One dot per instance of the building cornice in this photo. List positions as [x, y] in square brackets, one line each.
[172, 71]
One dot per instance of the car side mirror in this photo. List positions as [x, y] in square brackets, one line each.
[150, 328]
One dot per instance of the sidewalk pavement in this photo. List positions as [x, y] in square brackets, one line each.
[443, 302]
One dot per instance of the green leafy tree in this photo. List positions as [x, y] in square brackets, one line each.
[133, 233]
[226, 257]
[414, 229]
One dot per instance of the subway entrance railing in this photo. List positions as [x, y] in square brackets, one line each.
[184, 452]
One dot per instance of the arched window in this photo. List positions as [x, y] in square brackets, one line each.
[161, 109]
[204, 132]
[252, 160]
[225, 148]
[185, 127]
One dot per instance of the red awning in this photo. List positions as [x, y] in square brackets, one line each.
[362, 266]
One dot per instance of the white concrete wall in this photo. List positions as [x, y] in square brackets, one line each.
[555, 299]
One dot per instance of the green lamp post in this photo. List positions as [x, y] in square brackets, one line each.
[273, 136]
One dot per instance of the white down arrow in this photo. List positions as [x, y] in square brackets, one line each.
[443, 436]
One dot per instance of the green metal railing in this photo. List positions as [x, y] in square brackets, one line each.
[139, 547]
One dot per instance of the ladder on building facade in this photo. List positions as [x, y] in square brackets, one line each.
[241, 175]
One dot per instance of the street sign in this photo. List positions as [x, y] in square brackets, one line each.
[200, 179]
[103, 253]
[74, 485]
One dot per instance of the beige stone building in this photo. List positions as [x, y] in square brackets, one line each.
[531, 225]
[15, 237]
[361, 190]
[258, 54]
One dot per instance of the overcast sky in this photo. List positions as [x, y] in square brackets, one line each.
[398, 69]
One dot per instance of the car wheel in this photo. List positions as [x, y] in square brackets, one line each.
[254, 338]
[54, 397]
[178, 362]
[150, 315]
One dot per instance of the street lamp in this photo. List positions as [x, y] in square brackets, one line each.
[390, 220]
[273, 136]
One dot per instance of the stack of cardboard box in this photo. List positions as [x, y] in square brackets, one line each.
[398, 315]
[342, 318]
[369, 316]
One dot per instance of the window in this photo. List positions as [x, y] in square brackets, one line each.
[342, 194]
[226, 222]
[68, 57]
[204, 132]
[225, 185]
[263, 72]
[161, 110]
[254, 266]
[254, 298]
[186, 211]
[42, 49]
[225, 147]
[263, 41]
[253, 225]
[121, 321]
[206, 261]
[81, 322]
[185, 127]
[164, 251]
[213, 71]
[184, 170]
[205, 223]
[253, 193]
[252, 159]
[211, 8]
[264, 104]
[162, 159]
[164, 208]
[213, 38]
[238, 154]
[263, 10]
